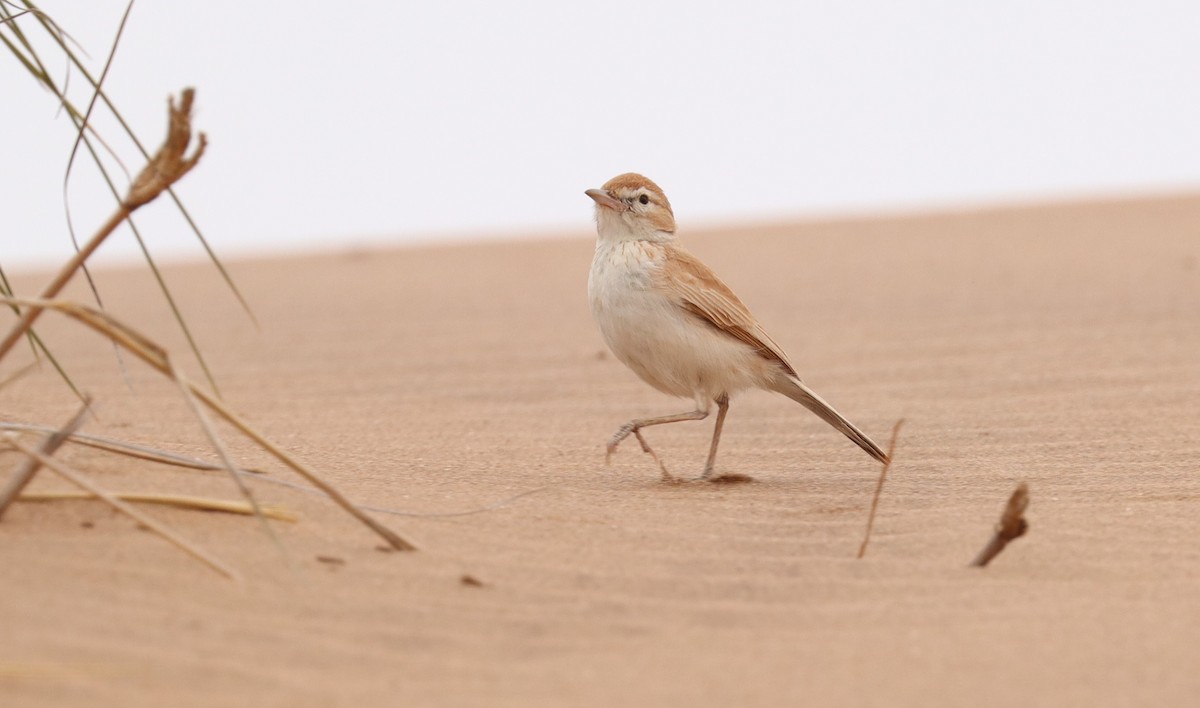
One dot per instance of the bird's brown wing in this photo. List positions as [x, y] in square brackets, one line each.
[698, 290]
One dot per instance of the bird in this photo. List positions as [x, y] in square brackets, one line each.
[669, 318]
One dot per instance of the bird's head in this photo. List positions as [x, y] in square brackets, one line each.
[631, 207]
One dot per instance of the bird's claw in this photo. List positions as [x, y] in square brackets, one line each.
[631, 428]
[622, 433]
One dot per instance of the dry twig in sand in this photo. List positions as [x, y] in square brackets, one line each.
[164, 169]
[862, 550]
[156, 356]
[83, 482]
[141, 452]
[29, 466]
[180, 501]
[119, 447]
[1012, 526]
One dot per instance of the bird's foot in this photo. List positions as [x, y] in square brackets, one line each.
[622, 433]
[631, 428]
[727, 478]
[667, 477]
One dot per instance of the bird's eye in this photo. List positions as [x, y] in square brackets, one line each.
[644, 199]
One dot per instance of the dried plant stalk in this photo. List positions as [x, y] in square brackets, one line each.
[1012, 526]
[142, 452]
[14, 376]
[226, 459]
[83, 482]
[128, 449]
[862, 550]
[177, 500]
[166, 167]
[169, 164]
[154, 355]
[29, 466]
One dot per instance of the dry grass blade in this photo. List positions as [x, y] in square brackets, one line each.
[141, 452]
[156, 357]
[6, 289]
[181, 501]
[29, 467]
[83, 482]
[35, 342]
[169, 164]
[24, 51]
[862, 550]
[396, 541]
[18, 374]
[52, 671]
[10, 18]
[28, 56]
[1012, 526]
[84, 125]
[57, 34]
[226, 459]
[118, 447]
[60, 280]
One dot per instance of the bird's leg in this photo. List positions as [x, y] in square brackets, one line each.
[634, 427]
[667, 476]
[722, 409]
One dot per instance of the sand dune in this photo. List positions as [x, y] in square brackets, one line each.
[1059, 345]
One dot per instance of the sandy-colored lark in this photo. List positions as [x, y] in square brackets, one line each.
[668, 317]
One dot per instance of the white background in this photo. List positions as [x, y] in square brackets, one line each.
[336, 125]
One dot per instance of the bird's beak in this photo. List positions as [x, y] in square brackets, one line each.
[604, 199]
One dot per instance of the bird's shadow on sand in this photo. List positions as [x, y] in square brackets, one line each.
[732, 478]
[725, 480]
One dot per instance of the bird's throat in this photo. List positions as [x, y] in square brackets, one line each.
[613, 227]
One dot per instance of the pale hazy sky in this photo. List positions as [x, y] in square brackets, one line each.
[335, 125]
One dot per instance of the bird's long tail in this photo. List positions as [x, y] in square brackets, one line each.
[796, 390]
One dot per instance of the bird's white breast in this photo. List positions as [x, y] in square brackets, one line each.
[651, 334]
[624, 302]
